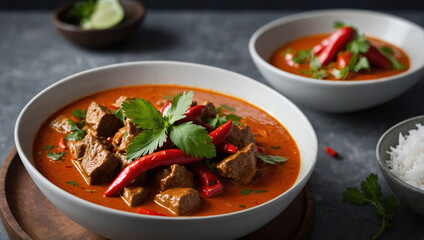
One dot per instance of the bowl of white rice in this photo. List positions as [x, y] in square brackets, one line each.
[400, 153]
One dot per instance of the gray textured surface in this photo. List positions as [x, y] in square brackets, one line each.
[33, 55]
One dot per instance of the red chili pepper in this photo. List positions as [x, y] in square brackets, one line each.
[343, 59]
[261, 149]
[204, 174]
[212, 190]
[221, 133]
[150, 212]
[112, 106]
[62, 143]
[337, 42]
[376, 58]
[332, 152]
[320, 46]
[162, 158]
[226, 147]
[192, 113]
[165, 108]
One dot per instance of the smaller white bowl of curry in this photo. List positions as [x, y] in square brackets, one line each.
[339, 60]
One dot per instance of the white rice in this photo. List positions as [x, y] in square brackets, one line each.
[407, 158]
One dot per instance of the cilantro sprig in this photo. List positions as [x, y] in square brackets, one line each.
[370, 193]
[192, 139]
[77, 133]
[55, 156]
[302, 55]
[388, 52]
[78, 113]
[221, 119]
[270, 159]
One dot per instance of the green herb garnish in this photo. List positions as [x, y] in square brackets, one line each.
[77, 134]
[302, 55]
[82, 11]
[120, 115]
[362, 64]
[388, 52]
[221, 119]
[289, 50]
[338, 24]
[271, 159]
[73, 183]
[370, 193]
[49, 147]
[276, 147]
[242, 206]
[247, 191]
[55, 156]
[191, 138]
[78, 113]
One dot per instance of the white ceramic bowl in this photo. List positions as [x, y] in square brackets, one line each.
[117, 224]
[338, 96]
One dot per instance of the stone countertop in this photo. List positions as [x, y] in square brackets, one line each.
[33, 56]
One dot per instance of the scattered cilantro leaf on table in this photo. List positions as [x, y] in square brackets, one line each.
[370, 193]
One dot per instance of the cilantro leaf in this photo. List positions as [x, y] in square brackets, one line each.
[210, 165]
[120, 115]
[321, 74]
[371, 193]
[77, 134]
[276, 147]
[78, 113]
[49, 147]
[82, 11]
[302, 55]
[259, 191]
[315, 64]
[271, 159]
[55, 156]
[242, 206]
[233, 117]
[193, 140]
[146, 143]
[362, 64]
[344, 72]
[338, 24]
[359, 45]
[180, 105]
[142, 113]
[218, 121]
[73, 183]
[245, 191]
[388, 52]
[226, 107]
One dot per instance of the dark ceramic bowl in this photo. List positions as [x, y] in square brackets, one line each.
[102, 38]
[411, 196]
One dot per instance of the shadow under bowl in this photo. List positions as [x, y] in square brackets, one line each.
[100, 38]
[409, 195]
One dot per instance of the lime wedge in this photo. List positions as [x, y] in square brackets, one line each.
[107, 13]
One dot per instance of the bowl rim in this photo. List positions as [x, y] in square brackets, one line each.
[382, 162]
[319, 13]
[75, 28]
[30, 167]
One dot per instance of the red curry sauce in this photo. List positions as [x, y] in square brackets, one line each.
[278, 58]
[268, 131]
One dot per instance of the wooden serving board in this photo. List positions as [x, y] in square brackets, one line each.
[27, 214]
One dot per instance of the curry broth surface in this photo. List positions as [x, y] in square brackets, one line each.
[268, 132]
[278, 59]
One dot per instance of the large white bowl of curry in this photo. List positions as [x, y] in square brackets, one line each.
[340, 95]
[118, 224]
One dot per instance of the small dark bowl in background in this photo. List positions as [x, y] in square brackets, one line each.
[100, 38]
[411, 196]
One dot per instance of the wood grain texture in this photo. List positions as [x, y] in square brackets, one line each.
[27, 214]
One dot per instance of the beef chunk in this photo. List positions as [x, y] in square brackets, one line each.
[95, 162]
[124, 136]
[102, 120]
[176, 176]
[133, 195]
[61, 124]
[181, 201]
[209, 113]
[241, 136]
[241, 166]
